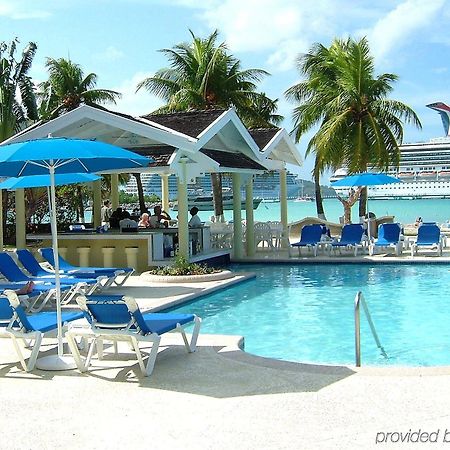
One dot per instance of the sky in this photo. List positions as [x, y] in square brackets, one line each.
[119, 40]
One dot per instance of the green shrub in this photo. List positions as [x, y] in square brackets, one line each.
[183, 267]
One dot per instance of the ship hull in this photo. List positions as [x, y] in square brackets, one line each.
[207, 205]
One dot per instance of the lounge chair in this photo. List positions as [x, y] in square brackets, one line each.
[37, 298]
[388, 237]
[16, 324]
[351, 238]
[10, 269]
[12, 272]
[31, 264]
[116, 318]
[428, 235]
[310, 238]
[66, 267]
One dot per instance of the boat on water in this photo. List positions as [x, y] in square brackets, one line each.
[204, 201]
[301, 195]
[424, 168]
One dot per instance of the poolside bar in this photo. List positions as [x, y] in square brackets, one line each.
[141, 249]
[187, 145]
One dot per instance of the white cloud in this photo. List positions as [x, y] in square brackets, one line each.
[133, 103]
[284, 57]
[401, 23]
[111, 53]
[285, 28]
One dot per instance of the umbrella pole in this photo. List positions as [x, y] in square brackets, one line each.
[59, 361]
[54, 230]
[367, 212]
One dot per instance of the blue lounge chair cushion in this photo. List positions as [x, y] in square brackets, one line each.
[65, 266]
[388, 234]
[12, 272]
[43, 322]
[111, 310]
[46, 321]
[6, 312]
[352, 234]
[32, 265]
[428, 234]
[311, 235]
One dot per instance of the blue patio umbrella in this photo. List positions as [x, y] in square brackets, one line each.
[34, 181]
[53, 156]
[366, 179]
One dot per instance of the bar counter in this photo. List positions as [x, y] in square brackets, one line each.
[139, 249]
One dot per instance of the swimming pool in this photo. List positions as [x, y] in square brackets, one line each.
[305, 312]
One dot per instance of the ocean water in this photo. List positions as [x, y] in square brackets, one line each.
[405, 211]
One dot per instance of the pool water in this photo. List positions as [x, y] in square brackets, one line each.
[306, 312]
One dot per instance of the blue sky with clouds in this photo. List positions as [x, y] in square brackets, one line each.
[119, 41]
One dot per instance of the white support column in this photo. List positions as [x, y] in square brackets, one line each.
[283, 207]
[237, 216]
[165, 192]
[183, 229]
[20, 219]
[97, 205]
[250, 227]
[114, 191]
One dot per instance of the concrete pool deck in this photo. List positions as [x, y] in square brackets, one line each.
[217, 398]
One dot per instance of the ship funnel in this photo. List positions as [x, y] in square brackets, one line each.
[444, 112]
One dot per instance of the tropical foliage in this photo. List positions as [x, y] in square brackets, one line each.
[358, 126]
[17, 96]
[181, 266]
[67, 88]
[203, 75]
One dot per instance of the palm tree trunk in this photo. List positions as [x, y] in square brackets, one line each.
[318, 193]
[140, 190]
[363, 202]
[216, 183]
[80, 205]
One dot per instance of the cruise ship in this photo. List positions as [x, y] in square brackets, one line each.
[266, 186]
[424, 168]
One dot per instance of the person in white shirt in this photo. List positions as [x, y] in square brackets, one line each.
[195, 221]
[127, 222]
[105, 212]
[159, 218]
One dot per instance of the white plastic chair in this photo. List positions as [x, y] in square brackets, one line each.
[263, 235]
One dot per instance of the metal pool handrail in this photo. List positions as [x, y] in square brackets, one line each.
[359, 300]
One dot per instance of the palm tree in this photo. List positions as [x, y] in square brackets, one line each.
[17, 96]
[67, 88]
[202, 75]
[359, 127]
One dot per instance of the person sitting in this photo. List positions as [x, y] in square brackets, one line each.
[115, 218]
[25, 290]
[105, 212]
[159, 219]
[127, 223]
[144, 221]
[418, 222]
[195, 221]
